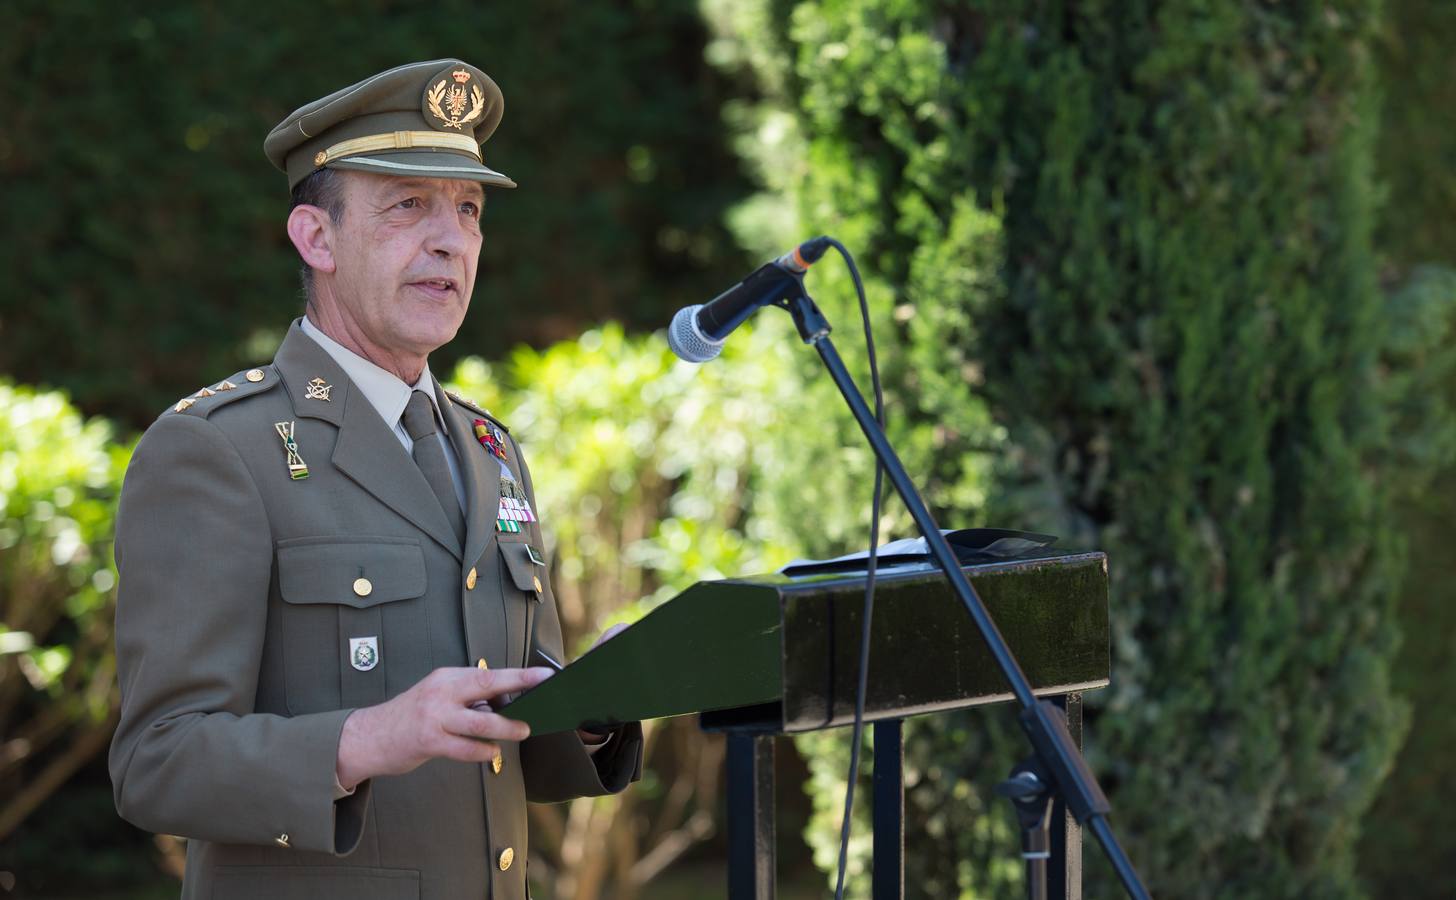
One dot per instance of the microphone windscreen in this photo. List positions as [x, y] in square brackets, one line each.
[687, 340]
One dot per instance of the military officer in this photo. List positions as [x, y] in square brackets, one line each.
[331, 569]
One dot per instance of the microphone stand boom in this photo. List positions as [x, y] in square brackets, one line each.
[1056, 757]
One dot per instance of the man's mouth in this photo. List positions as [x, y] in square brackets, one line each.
[436, 287]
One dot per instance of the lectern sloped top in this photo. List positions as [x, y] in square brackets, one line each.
[776, 654]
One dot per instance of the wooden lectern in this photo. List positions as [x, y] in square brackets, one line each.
[772, 655]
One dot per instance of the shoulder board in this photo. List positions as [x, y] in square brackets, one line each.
[474, 407]
[235, 387]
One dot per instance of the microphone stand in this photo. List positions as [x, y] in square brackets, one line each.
[1056, 763]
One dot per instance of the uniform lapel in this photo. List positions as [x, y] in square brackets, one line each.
[367, 450]
[482, 477]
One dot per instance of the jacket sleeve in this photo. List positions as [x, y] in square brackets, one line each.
[557, 766]
[191, 757]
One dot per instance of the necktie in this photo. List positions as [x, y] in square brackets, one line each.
[419, 422]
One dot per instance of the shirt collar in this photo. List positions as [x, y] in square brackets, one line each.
[385, 391]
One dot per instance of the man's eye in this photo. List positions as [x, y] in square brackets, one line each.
[471, 209]
[409, 203]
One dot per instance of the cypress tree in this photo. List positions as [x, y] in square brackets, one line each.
[1173, 313]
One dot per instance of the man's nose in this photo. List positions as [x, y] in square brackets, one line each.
[448, 236]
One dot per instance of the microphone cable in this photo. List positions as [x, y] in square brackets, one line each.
[870, 570]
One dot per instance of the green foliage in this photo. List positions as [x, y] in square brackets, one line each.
[1417, 147]
[1409, 833]
[1142, 234]
[1411, 830]
[144, 228]
[59, 479]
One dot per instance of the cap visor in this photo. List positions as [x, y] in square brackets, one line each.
[425, 164]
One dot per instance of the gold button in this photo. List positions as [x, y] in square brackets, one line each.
[281, 840]
[481, 664]
[470, 579]
[537, 580]
[254, 375]
[362, 587]
[319, 158]
[496, 765]
[507, 857]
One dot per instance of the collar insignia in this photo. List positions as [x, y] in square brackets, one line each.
[318, 390]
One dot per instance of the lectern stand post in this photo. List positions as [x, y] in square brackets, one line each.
[752, 854]
[752, 837]
[888, 799]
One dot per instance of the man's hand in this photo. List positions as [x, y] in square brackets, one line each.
[592, 738]
[445, 715]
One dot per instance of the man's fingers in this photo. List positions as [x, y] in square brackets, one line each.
[609, 634]
[488, 683]
[465, 749]
[480, 725]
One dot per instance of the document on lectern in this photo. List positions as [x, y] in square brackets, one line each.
[970, 545]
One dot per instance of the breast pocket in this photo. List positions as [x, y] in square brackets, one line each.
[521, 586]
[353, 620]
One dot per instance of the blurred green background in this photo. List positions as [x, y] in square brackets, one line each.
[1168, 279]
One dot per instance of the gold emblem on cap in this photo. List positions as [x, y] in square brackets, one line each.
[318, 390]
[453, 98]
[254, 375]
[320, 158]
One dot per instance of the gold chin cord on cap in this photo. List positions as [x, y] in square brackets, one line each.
[398, 140]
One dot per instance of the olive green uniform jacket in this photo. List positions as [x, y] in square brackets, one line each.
[235, 613]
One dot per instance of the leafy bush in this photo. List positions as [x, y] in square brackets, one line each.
[60, 476]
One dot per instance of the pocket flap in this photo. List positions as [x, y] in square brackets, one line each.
[358, 572]
[521, 561]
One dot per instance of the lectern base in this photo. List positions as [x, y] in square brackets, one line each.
[752, 836]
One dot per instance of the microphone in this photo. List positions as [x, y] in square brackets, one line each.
[697, 332]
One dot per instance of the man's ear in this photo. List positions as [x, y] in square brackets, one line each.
[312, 233]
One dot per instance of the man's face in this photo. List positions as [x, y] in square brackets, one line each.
[405, 256]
